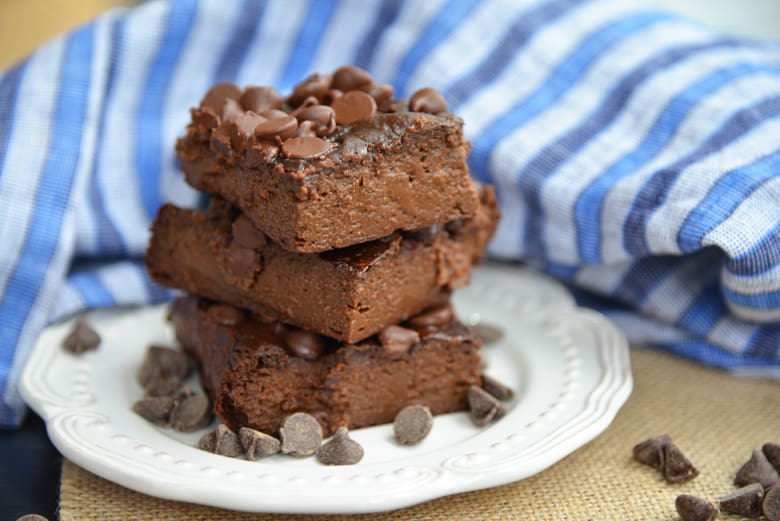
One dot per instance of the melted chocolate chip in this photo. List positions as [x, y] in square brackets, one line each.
[316, 85]
[305, 344]
[231, 110]
[351, 78]
[258, 99]
[427, 100]
[398, 340]
[305, 147]
[340, 450]
[381, 92]
[217, 95]
[301, 435]
[322, 116]
[225, 314]
[412, 424]
[283, 127]
[246, 233]
[354, 106]
[81, 338]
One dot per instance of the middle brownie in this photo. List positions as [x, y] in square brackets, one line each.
[348, 294]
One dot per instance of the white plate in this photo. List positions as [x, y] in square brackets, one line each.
[570, 367]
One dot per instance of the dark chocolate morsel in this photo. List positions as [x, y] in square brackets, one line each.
[412, 424]
[757, 469]
[205, 118]
[351, 78]
[427, 100]
[283, 127]
[258, 444]
[258, 99]
[354, 106]
[340, 450]
[305, 344]
[692, 508]
[301, 434]
[191, 413]
[246, 233]
[483, 407]
[221, 441]
[771, 504]
[744, 502]
[381, 92]
[651, 451]
[323, 117]
[217, 95]
[81, 338]
[677, 467]
[496, 388]
[155, 409]
[772, 453]
[162, 362]
[397, 339]
[305, 147]
[245, 129]
[316, 85]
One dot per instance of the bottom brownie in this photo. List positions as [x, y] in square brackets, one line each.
[258, 373]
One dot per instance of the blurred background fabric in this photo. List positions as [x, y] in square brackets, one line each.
[635, 151]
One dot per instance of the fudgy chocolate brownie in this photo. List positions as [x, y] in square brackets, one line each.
[257, 373]
[338, 162]
[348, 294]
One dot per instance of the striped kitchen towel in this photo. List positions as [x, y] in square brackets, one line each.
[636, 153]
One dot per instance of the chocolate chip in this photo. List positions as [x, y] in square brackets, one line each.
[771, 504]
[322, 117]
[244, 131]
[305, 147]
[301, 435]
[306, 129]
[483, 407]
[772, 453]
[205, 118]
[353, 106]
[427, 100]
[331, 95]
[757, 469]
[315, 85]
[496, 388]
[651, 452]
[398, 340]
[32, 517]
[221, 441]
[412, 424]
[258, 99]
[340, 450]
[81, 338]
[273, 114]
[191, 413]
[156, 409]
[745, 502]
[231, 110]
[225, 314]
[217, 95]
[246, 233]
[434, 317]
[283, 127]
[305, 344]
[677, 467]
[692, 508]
[161, 364]
[258, 444]
[351, 78]
[381, 92]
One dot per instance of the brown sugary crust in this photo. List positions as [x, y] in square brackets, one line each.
[254, 380]
[348, 294]
[388, 172]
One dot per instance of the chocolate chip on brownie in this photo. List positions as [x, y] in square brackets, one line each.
[398, 340]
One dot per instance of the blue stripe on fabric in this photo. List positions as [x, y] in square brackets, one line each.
[642, 277]
[762, 257]
[9, 95]
[91, 289]
[317, 20]
[507, 49]
[449, 17]
[765, 343]
[760, 300]
[148, 140]
[724, 196]
[53, 193]
[242, 36]
[613, 103]
[589, 207]
[385, 17]
[563, 78]
[560, 271]
[109, 240]
[705, 311]
[654, 191]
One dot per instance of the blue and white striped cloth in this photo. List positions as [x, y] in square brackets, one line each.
[636, 153]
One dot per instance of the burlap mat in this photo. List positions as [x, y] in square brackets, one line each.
[716, 419]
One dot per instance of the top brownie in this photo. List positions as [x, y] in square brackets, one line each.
[336, 163]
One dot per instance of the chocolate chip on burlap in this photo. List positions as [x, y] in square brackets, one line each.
[156, 409]
[191, 413]
[757, 469]
[692, 508]
[744, 502]
[305, 147]
[354, 106]
[427, 100]
[651, 451]
[258, 444]
[301, 435]
[771, 504]
[398, 340]
[305, 344]
[412, 424]
[677, 467]
[483, 407]
[496, 388]
[340, 450]
[772, 453]
[222, 441]
[81, 338]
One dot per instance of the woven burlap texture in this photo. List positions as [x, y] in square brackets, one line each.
[715, 418]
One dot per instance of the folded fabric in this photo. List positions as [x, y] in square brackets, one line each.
[636, 153]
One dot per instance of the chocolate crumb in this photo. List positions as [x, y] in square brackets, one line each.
[677, 467]
[340, 450]
[412, 424]
[772, 453]
[771, 503]
[745, 502]
[651, 452]
[156, 409]
[757, 469]
[496, 388]
[301, 434]
[258, 444]
[483, 406]
[81, 338]
[692, 508]
[191, 413]
[221, 441]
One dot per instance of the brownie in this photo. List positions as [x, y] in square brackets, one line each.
[348, 294]
[257, 372]
[338, 162]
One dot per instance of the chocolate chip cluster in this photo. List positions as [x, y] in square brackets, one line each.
[259, 122]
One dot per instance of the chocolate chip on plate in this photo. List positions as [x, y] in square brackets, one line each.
[161, 363]
[496, 388]
[412, 424]
[483, 406]
[651, 451]
[340, 450]
[771, 504]
[427, 100]
[692, 508]
[757, 469]
[301, 435]
[222, 441]
[258, 444]
[744, 502]
[191, 413]
[156, 409]
[81, 338]
[677, 467]
[398, 340]
[306, 147]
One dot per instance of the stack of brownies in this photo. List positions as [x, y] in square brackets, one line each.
[340, 221]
